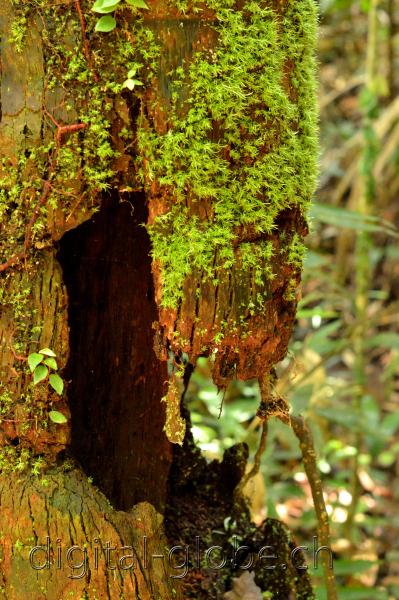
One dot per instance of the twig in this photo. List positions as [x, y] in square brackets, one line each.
[64, 129]
[305, 438]
[18, 356]
[86, 46]
[12, 261]
[335, 94]
[16, 420]
[257, 460]
[365, 198]
[276, 406]
[64, 192]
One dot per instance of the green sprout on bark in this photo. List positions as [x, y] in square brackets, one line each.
[43, 365]
[105, 7]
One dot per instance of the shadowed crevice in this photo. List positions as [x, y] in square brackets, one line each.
[116, 381]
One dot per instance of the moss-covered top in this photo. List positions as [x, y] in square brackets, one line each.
[244, 143]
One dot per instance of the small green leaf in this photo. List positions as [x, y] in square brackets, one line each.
[52, 363]
[137, 3]
[105, 6]
[47, 352]
[385, 339]
[365, 5]
[56, 383]
[352, 566]
[39, 374]
[33, 360]
[105, 24]
[131, 83]
[57, 417]
[110, 9]
[350, 219]
[133, 70]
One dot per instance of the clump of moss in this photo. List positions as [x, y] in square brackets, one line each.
[19, 460]
[257, 88]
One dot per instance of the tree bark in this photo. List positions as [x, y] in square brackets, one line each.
[52, 526]
[85, 163]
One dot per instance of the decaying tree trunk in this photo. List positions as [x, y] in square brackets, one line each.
[214, 151]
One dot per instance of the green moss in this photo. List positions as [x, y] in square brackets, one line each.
[16, 302]
[296, 251]
[6, 403]
[14, 460]
[257, 255]
[19, 26]
[265, 158]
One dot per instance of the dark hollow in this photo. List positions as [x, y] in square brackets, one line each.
[116, 381]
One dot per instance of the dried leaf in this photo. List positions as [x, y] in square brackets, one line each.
[244, 588]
